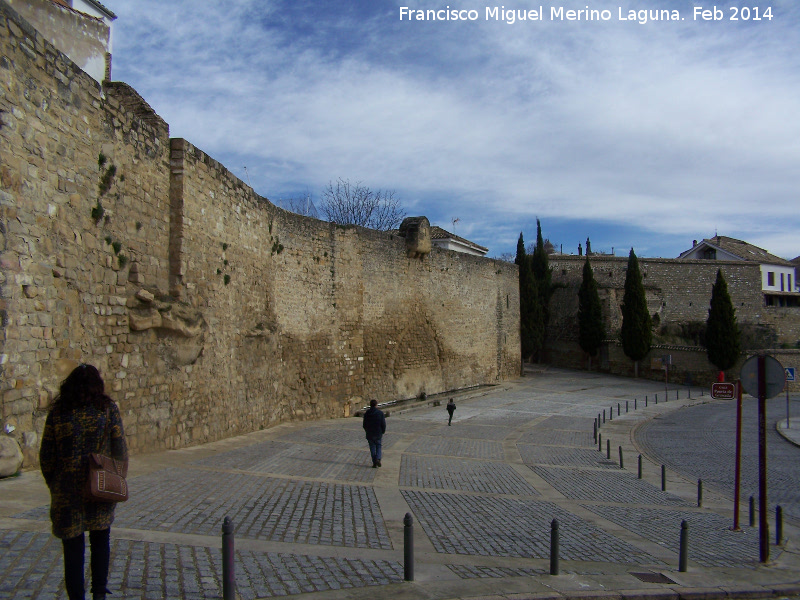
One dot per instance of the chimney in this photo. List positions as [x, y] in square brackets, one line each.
[694, 243]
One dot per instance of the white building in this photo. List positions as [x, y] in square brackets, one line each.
[778, 276]
[81, 29]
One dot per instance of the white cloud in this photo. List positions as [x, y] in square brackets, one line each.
[672, 128]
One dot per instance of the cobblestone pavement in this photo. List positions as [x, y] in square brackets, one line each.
[312, 517]
[701, 441]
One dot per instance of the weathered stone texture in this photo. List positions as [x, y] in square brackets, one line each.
[678, 291]
[209, 311]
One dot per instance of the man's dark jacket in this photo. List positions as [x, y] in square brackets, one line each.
[374, 423]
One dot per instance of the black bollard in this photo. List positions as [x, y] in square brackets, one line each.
[408, 547]
[752, 512]
[599, 442]
[619, 406]
[608, 449]
[640, 466]
[621, 466]
[656, 395]
[626, 406]
[228, 566]
[689, 393]
[778, 526]
[676, 394]
[663, 478]
[610, 413]
[682, 560]
[595, 431]
[554, 547]
[700, 492]
[645, 401]
[604, 415]
[598, 420]
[634, 404]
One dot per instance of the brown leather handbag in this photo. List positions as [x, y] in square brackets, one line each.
[106, 482]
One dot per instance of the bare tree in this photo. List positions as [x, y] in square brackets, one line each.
[355, 204]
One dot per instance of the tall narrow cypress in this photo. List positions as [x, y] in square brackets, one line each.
[591, 329]
[636, 332]
[722, 332]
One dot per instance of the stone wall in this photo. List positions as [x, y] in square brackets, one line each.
[678, 293]
[210, 311]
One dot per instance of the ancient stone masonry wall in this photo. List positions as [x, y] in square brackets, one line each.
[209, 311]
[678, 292]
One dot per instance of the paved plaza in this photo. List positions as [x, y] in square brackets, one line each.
[313, 520]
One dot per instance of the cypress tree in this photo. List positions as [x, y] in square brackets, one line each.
[591, 330]
[531, 332]
[543, 275]
[636, 330]
[722, 332]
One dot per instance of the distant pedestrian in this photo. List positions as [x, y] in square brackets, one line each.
[82, 420]
[451, 408]
[375, 427]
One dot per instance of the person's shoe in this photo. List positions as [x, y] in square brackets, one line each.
[374, 465]
[379, 463]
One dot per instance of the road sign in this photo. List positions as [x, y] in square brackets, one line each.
[774, 374]
[723, 391]
[789, 373]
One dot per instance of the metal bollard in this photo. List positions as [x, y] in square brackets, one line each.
[595, 431]
[598, 420]
[619, 406]
[640, 466]
[554, 547]
[626, 406]
[656, 395]
[604, 415]
[663, 478]
[608, 449]
[752, 512]
[699, 492]
[610, 413]
[599, 442]
[645, 401]
[408, 547]
[677, 397]
[689, 393]
[778, 526]
[228, 566]
[684, 551]
[621, 466]
[634, 404]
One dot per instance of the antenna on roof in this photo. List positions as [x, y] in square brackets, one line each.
[248, 176]
[454, 220]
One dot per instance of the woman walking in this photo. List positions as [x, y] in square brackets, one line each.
[82, 420]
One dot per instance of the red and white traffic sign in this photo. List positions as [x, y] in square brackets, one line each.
[723, 391]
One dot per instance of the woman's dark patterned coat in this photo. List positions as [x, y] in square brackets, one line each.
[70, 435]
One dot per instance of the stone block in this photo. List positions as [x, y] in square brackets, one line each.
[10, 456]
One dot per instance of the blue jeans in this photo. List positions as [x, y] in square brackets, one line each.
[375, 449]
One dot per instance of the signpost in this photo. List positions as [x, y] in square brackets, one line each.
[789, 379]
[723, 391]
[763, 377]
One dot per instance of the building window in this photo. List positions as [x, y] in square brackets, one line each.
[790, 288]
[782, 282]
[770, 278]
[708, 254]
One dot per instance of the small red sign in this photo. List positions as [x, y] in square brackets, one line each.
[723, 391]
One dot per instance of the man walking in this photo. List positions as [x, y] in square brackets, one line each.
[451, 408]
[375, 427]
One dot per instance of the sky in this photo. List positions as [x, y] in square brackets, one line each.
[633, 132]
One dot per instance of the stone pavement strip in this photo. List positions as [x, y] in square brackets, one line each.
[314, 520]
